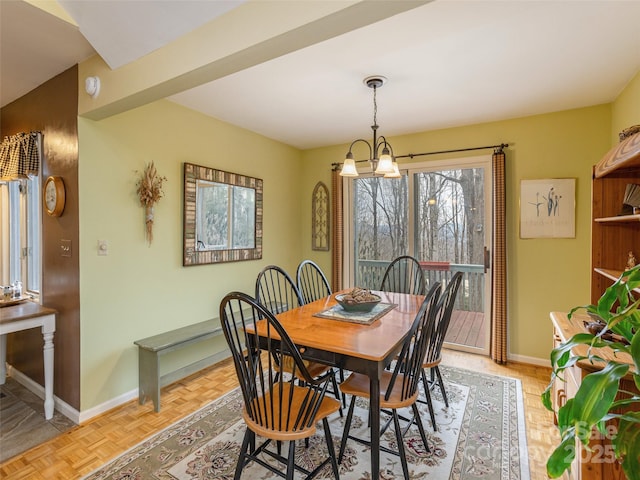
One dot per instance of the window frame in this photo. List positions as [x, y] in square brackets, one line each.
[21, 245]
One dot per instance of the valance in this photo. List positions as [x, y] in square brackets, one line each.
[20, 155]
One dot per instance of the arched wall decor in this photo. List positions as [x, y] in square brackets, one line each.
[320, 217]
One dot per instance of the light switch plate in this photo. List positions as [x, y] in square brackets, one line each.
[103, 247]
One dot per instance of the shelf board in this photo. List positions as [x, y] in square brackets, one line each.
[625, 154]
[612, 275]
[619, 219]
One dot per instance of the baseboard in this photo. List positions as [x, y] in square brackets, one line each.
[85, 415]
[542, 362]
[110, 404]
[60, 405]
[92, 412]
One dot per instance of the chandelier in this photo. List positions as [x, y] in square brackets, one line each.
[381, 156]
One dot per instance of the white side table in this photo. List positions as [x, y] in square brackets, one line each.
[23, 317]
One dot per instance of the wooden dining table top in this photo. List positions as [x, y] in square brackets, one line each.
[372, 342]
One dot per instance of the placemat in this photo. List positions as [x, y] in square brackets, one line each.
[338, 313]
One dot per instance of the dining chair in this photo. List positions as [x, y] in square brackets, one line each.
[276, 407]
[398, 387]
[276, 291]
[313, 285]
[433, 355]
[312, 282]
[404, 275]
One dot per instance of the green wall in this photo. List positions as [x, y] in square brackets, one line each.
[625, 111]
[543, 274]
[138, 290]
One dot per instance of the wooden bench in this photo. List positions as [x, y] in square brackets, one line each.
[150, 350]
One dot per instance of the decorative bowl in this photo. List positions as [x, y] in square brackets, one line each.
[352, 306]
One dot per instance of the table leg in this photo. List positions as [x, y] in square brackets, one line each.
[48, 374]
[3, 359]
[374, 399]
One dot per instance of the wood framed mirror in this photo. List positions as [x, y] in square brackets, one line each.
[222, 219]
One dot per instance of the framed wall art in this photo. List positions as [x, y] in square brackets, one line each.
[320, 217]
[222, 216]
[547, 208]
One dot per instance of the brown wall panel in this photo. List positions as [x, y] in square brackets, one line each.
[52, 108]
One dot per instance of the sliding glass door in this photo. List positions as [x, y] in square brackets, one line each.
[438, 213]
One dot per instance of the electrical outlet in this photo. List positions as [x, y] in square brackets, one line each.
[65, 248]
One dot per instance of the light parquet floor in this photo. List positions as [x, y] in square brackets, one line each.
[87, 447]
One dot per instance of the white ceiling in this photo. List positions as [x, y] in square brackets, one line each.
[448, 63]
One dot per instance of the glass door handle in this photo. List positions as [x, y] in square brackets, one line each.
[487, 259]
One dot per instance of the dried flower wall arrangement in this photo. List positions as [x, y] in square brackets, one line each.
[149, 189]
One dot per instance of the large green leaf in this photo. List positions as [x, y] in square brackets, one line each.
[594, 397]
[635, 352]
[626, 444]
[562, 457]
[546, 396]
[566, 417]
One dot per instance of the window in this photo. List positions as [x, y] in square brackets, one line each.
[20, 244]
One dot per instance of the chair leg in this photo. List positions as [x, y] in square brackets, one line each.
[427, 395]
[347, 426]
[243, 451]
[344, 397]
[331, 448]
[291, 460]
[441, 383]
[418, 420]
[401, 452]
[337, 392]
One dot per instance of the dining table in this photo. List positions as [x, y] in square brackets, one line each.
[356, 346]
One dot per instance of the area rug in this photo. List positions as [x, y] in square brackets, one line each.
[481, 435]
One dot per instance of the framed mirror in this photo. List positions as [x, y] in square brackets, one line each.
[222, 216]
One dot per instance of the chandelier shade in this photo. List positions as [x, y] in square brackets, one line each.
[382, 163]
[349, 168]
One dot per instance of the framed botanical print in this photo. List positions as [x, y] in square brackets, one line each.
[547, 208]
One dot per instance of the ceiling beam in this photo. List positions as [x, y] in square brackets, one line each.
[246, 36]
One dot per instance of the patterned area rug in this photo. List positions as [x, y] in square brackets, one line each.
[481, 435]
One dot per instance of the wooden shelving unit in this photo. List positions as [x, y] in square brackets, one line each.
[613, 236]
[619, 219]
[612, 275]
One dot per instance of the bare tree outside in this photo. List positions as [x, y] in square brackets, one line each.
[448, 223]
[381, 217]
[450, 217]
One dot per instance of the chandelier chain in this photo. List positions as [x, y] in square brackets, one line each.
[375, 107]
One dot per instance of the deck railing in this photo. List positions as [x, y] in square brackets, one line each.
[470, 296]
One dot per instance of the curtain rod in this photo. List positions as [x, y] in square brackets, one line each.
[498, 148]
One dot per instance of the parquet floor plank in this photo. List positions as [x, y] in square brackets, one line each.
[89, 446]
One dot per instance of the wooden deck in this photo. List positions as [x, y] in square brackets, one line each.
[467, 328]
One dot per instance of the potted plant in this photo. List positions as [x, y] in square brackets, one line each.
[615, 326]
